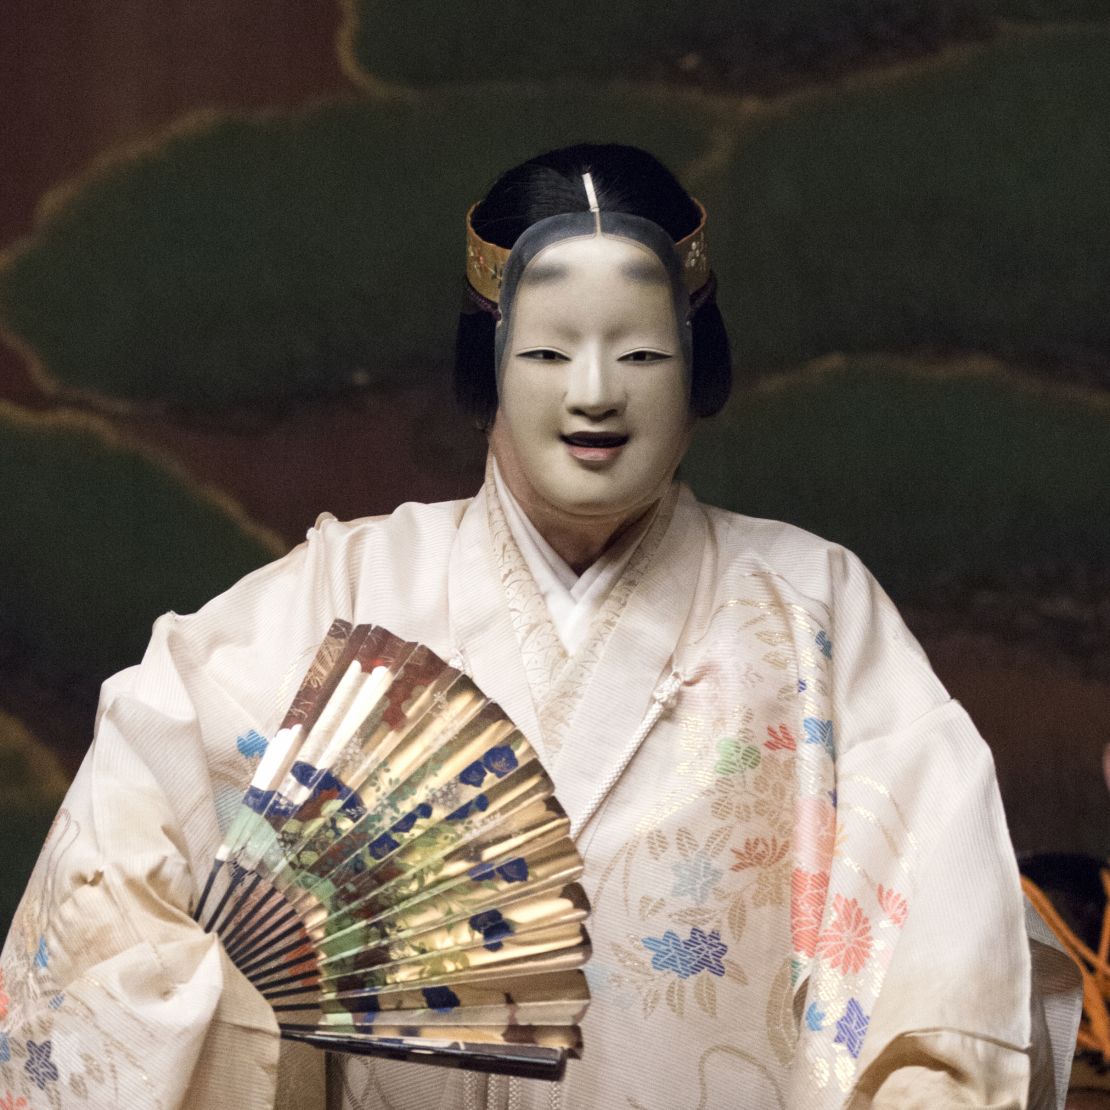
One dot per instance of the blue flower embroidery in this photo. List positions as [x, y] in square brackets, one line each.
[252, 745]
[815, 1018]
[825, 644]
[701, 951]
[492, 926]
[707, 950]
[38, 1064]
[801, 685]
[440, 999]
[851, 1028]
[42, 957]
[694, 878]
[56, 1001]
[820, 732]
[5, 1049]
[669, 954]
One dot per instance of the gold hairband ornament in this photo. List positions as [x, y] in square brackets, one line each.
[485, 262]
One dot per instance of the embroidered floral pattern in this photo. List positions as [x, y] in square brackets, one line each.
[252, 745]
[694, 878]
[38, 1065]
[8, 1101]
[700, 951]
[758, 851]
[781, 739]
[815, 832]
[846, 944]
[851, 1028]
[5, 1001]
[735, 757]
[894, 906]
[820, 732]
[807, 905]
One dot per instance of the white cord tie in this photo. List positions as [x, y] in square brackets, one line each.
[663, 698]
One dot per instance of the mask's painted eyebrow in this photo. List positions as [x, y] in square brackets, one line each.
[543, 273]
[645, 272]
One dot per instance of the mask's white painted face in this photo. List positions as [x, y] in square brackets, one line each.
[593, 414]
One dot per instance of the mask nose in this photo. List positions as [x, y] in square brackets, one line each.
[595, 389]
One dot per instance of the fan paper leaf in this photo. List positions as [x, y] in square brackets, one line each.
[399, 878]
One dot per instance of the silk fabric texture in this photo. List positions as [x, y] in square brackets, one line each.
[803, 890]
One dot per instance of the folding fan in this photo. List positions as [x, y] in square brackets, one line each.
[398, 879]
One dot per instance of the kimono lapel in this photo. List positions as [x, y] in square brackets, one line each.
[481, 627]
[632, 651]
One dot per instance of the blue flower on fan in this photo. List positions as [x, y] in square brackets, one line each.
[421, 812]
[42, 956]
[820, 732]
[500, 760]
[824, 643]
[492, 926]
[815, 1018]
[38, 1064]
[473, 775]
[851, 1028]
[440, 999]
[513, 870]
[5, 1048]
[369, 1010]
[479, 804]
[382, 846]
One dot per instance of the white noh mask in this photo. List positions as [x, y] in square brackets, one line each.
[593, 366]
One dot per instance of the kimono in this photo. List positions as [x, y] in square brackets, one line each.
[802, 886]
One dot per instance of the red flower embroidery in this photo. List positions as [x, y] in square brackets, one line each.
[782, 739]
[807, 903]
[894, 905]
[4, 999]
[846, 944]
[758, 851]
[8, 1101]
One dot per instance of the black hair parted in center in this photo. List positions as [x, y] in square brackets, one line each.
[626, 179]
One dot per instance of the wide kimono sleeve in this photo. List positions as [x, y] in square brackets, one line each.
[111, 995]
[918, 993]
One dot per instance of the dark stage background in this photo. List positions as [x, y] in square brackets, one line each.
[233, 253]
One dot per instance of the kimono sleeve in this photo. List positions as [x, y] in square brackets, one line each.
[920, 990]
[111, 994]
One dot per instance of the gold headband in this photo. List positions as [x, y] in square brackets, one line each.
[485, 262]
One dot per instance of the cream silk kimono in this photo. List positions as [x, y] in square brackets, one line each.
[803, 891]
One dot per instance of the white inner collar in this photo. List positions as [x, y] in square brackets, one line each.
[572, 600]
